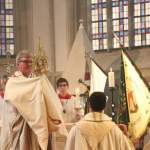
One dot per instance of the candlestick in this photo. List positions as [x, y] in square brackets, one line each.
[77, 91]
[111, 84]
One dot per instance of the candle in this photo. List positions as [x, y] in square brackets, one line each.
[111, 78]
[77, 101]
[77, 91]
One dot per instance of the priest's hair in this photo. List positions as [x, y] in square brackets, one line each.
[23, 54]
[97, 101]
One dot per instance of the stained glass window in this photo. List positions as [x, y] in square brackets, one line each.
[6, 27]
[141, 22]
[99, 24]
[112, 17]
[120, 22]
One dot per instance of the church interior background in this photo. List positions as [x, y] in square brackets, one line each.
[56, 22]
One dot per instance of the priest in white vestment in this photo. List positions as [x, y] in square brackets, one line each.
[31, 109]
[96, 131]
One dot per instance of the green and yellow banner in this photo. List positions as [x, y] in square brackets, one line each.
[138, 98]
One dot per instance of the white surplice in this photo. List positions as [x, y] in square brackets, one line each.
[96, 131]
[69, 113]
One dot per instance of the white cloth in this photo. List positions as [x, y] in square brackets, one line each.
[38, 104]
[96, 131]
[69, 113]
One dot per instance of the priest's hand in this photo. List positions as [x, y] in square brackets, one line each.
[124, 129]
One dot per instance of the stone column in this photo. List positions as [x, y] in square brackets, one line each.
[71, 24]
[20, 24]
[109, 25]
[65, 28]
[131, 24]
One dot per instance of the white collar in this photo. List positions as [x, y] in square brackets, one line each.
[96, 117]
[19, 73]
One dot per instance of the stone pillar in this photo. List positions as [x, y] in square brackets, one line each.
[20, 24]
[131, 24]
[109, 25]
[65, 28]
[71, 24]
[42, 26]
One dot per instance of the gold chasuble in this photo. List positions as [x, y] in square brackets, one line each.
[96, 131]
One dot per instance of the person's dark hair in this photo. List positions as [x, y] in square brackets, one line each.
[60, 80]
[97, 101]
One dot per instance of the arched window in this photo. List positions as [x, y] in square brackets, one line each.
[128, 19]
[6, 27]
[120, 22]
